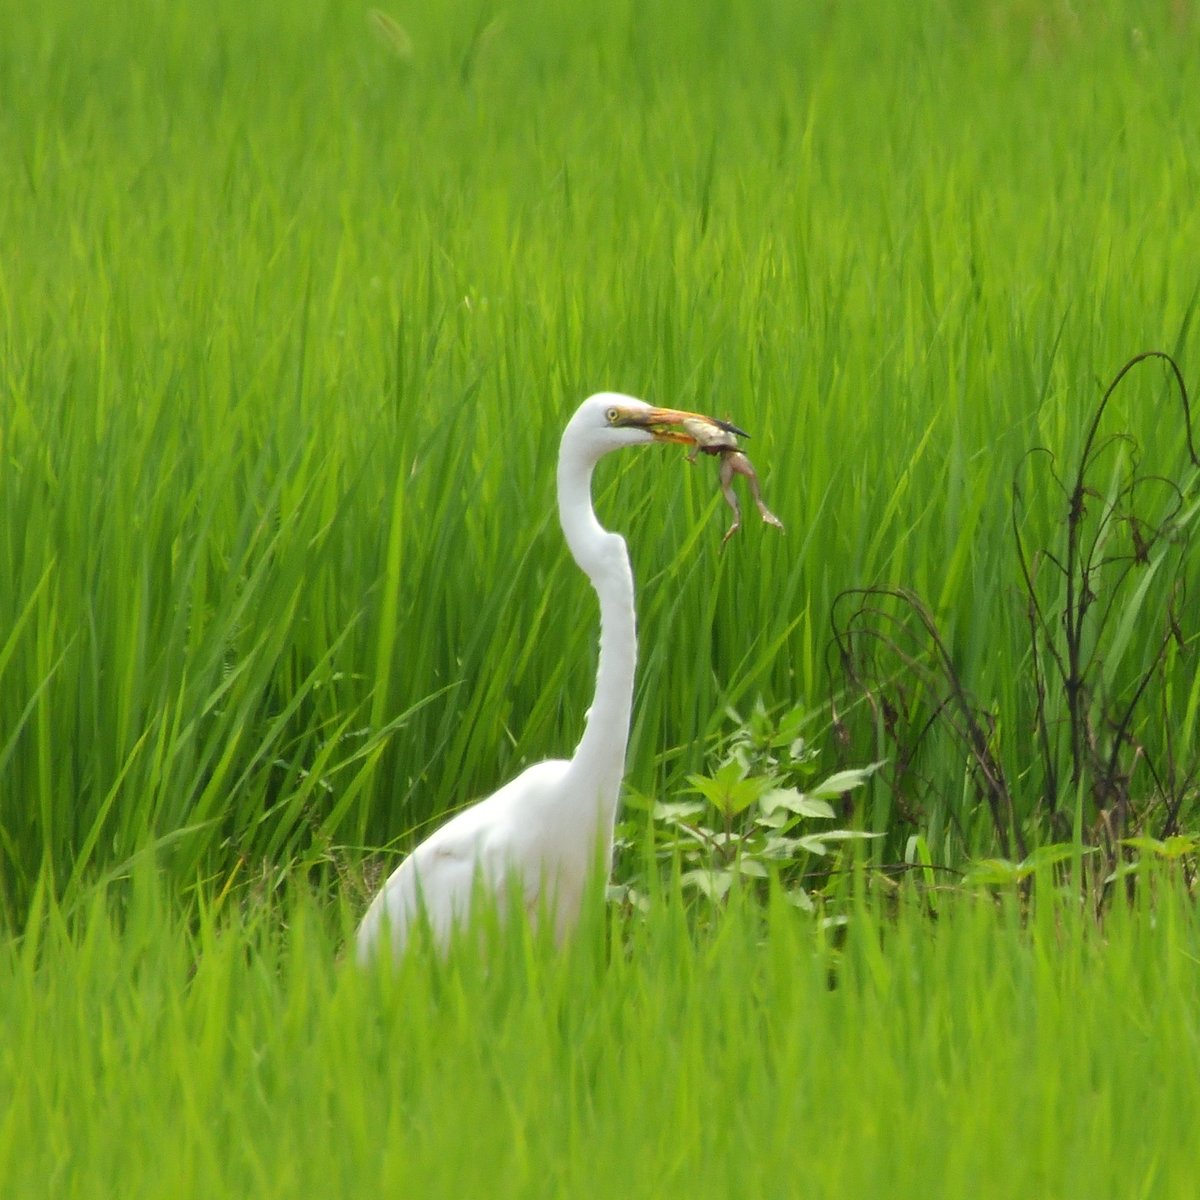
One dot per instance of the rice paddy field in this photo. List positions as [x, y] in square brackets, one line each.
[295, 300]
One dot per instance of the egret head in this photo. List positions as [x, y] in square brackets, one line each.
[609, 421]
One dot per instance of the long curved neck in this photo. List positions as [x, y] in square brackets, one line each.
[600, 757]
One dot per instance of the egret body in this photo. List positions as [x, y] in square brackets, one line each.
[544, 831]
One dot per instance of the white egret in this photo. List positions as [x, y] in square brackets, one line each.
[542, 831]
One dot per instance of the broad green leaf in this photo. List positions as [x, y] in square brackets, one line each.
[676, 810]
[780, 847]
[813, 844]
[844, 781]
[995, 872]
[713, 884]
[1151, 845]
[842, 835]
[752, 867]
[728, 788]
[1055, 852]
[1125, 869]
[775, 820]
[797, 802]
[1171, 848]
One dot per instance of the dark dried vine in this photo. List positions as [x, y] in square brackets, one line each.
[1083, 590]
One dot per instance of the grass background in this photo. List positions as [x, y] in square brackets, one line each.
[289, 325]
[290, 322]
[983, 1053]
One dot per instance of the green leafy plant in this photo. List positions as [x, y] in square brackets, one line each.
[1179, 851]
[756, 816]
[1103, 580]
[1003, 872]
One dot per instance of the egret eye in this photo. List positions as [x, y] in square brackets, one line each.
[612, 415]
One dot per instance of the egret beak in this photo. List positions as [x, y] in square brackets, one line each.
[706, 435]
[687, 428]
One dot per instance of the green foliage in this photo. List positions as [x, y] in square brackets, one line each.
[1150, 854]
[294, 301]
[1000, 872]
[228, 1053]
[753, 821]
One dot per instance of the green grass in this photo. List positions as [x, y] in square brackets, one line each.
[290, 323]
[289, 326]
[982, 1054]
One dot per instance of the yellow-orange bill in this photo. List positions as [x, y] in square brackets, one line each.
[687, 428]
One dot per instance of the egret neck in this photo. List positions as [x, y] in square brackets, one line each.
[599, 762]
